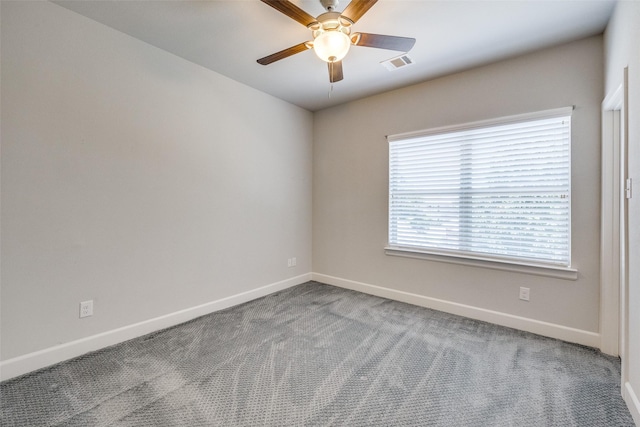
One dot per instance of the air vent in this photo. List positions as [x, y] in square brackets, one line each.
[397, 62]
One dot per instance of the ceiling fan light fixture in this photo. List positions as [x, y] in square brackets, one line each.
[332, 36]
[332, 45]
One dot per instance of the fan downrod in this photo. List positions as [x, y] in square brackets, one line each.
[329, 5]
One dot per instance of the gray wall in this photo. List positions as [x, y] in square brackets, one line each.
[622, 41]
[350, 182]
[137, 179]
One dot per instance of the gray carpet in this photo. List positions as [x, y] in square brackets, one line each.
[320, 355]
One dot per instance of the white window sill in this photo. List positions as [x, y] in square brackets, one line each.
[559, 272]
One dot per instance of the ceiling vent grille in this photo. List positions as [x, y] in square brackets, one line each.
[397, 62]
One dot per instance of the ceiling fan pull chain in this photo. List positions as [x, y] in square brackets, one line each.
[331, 79]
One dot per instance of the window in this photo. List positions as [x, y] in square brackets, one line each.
[496, 190]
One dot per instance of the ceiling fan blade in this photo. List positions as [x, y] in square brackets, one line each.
[292, 11]
[335, 71]
[403, 44]
[357, 8]
[284, 53]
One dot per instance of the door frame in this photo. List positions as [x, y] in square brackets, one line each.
[614, 230]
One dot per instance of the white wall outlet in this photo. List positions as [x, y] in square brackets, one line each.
[524, 293]
[294, 262]
[289, 262]
[86, 309]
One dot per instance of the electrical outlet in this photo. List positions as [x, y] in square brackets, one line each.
[86, 308]
[293, 262]
[524, 294]
[289, 262]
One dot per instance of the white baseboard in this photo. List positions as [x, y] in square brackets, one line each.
[40, 359]
[631, 399]
[20, 365]
[591, 339]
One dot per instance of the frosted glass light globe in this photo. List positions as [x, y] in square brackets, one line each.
[331, 46]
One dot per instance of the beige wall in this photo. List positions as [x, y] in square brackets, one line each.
[622, 49]
[137, 179]
[350, 183]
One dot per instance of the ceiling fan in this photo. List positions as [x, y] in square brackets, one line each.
[332, 34]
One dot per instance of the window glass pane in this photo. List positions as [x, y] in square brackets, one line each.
[501, 191]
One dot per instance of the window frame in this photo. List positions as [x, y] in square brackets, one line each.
[486, 260]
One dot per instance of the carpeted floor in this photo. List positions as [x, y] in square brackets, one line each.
[320, 355]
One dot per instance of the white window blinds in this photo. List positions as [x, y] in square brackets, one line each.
[498, 191]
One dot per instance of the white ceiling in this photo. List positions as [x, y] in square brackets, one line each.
[228, 36]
